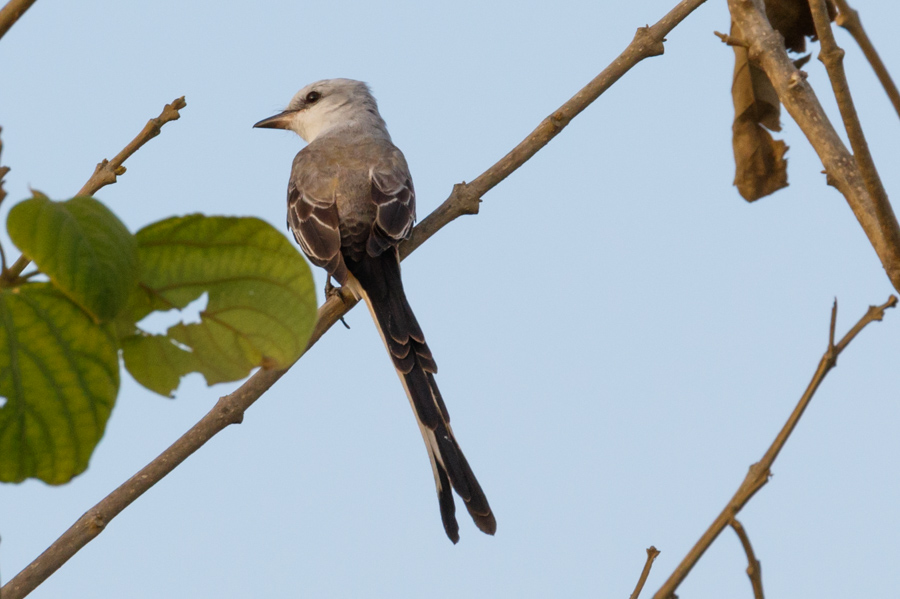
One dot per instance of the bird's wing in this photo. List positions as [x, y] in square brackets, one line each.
[395, 201]
[313, 216]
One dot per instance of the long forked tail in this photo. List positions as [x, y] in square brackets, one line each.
[382, 288]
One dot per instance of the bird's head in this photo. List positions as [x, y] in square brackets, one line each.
[325, 106]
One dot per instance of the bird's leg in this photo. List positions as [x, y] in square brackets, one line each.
[330, 291]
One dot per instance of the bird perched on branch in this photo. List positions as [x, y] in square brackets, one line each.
[350, 203]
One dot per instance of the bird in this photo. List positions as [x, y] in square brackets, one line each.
[351, 202]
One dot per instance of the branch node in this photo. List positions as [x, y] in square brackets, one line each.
[466, 200]
[848, 18]
[649, 44]
[831, 56]
[797, 78]
[228, 412]
[96, 523]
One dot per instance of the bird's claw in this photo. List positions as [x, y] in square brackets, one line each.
[332, 291]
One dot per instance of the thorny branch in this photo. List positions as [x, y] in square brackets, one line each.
[647, 42]
[759, 472]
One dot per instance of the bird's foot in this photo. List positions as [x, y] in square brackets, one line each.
[332, 291]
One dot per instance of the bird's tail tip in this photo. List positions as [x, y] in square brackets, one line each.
[485, 523]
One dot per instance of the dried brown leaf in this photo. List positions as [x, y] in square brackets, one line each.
[761, 168]
[752, 92]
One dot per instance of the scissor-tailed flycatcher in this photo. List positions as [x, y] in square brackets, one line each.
[350, 204]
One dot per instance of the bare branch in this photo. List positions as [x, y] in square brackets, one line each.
[647, 42]
[848, 18]
[754, 568]
[464, 199]
[759, 472]
[832, 57]
[10, 13]
[106, 171]
[652, 552]
[767, 49]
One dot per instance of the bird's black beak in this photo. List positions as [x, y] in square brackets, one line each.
[279, 121]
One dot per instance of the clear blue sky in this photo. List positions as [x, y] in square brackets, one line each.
[619, 334]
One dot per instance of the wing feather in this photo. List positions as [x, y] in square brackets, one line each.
[313, 218]
[395, 200]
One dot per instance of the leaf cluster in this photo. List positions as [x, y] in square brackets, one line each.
[61, 338]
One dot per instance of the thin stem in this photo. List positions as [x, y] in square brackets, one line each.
[106, 171]
[229, 409]
[848, 18]
[759, 472]
[754, 568]
[652, 553]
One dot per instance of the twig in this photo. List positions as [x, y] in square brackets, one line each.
[652, 552]
[730, 40]
[647, 42]
[230, 409]
[848, 18]
[832, 57]
[754, 568]
[767, 50]
[759, 472]
[106, 171]
[10, 13]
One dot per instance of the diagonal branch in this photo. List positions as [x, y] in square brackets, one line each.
[106, 171]
[759, 472]
[848, 18]
[647, 42]
[10, 13]
[230, 409]
[767, 49]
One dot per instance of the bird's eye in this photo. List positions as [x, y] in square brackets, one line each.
[312, 97]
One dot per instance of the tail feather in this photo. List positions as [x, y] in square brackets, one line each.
[382, 288]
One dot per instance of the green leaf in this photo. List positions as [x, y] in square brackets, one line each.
[59, 374]
[80, 244]
[261, 302]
